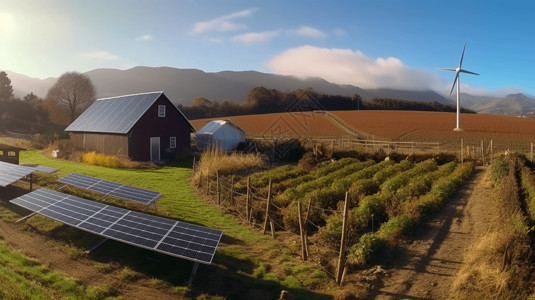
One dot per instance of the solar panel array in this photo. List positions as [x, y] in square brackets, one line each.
[10, 173]
[171, 237]
[43, 169]
[111, 188]
[114, 115]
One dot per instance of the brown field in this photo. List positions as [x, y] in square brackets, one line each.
[405, 126]
[305, 124]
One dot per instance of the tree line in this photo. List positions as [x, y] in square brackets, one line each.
[65, 101]
[261, 100]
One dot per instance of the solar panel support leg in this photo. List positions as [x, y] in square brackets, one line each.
[95, 246]
[193, 273]
[24, 218]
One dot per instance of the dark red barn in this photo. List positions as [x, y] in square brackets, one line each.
[144, 127]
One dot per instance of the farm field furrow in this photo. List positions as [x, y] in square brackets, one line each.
[277, 125]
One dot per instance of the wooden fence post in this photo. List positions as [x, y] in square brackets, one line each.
[305, 226]
[531, 153]
[482, 153]
[248, 200]
[341, 257]
[268, 202]
[491, 152]
[302, 232]
[232, 190]
[462, 151]
[218, 189]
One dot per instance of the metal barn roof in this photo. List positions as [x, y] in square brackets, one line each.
[115, 115]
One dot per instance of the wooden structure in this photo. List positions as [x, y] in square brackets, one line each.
[144, 127]
[9, 154]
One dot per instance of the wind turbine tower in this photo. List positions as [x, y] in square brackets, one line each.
[457, 81]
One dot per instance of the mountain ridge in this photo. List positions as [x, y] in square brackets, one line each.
[184, 85]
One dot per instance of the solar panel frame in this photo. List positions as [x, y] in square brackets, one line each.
[9, 173]
[170, 237]
[111, 188]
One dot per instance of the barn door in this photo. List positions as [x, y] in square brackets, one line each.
[155, 148]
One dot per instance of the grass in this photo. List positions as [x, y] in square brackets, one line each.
[24, 278]
[179, 201]
[234, 268]
[214, 162]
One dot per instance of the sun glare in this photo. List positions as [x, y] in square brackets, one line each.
[7, 24]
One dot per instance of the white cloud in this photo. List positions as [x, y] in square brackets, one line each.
[222, 24]
[256, 37]
[104, 55]
[307, 31]
[144, 38]
[345, 66]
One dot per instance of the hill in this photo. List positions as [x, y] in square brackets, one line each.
[184, 85]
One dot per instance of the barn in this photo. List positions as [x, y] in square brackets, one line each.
[144, 127]
[221, 134]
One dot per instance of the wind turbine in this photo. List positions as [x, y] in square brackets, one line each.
[456, 81]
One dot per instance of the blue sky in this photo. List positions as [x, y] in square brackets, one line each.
[397, 44]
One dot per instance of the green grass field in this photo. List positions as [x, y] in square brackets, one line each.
[246, 265]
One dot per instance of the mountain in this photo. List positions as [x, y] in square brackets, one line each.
[514, 104]
[184, 85]
[23, 85]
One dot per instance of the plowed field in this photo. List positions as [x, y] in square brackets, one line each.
[413, 126]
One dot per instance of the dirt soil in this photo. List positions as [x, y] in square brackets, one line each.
[425, 268]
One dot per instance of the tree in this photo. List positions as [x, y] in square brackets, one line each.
[73, 91]
[6, 90]
[31, 97]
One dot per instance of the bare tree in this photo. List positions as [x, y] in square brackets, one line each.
[74, 91]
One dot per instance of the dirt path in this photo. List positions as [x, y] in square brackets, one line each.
[426, 267]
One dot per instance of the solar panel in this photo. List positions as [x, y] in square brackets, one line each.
[111, 188]
[43, 169]
[171, 237]
[10, 173]
[114, 115]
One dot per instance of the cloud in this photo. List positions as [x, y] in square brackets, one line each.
[104, 55]
[222, 24]
[345, 66]
[144, 38]
[307, 31]
[256, 37]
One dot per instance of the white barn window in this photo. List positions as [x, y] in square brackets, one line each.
[172, 142]
[161, 111]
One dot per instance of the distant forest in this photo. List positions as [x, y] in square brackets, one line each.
[261, 100]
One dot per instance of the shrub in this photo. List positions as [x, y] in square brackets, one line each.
[96, 159]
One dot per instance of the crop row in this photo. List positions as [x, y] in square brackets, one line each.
[372, 209]
[441, 190]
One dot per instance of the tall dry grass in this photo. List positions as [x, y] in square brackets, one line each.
[497, 265]
[215, 161]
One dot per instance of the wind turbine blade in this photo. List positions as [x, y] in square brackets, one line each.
[454, 82]
[462, 56]
[449, 69]
[465, 71]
